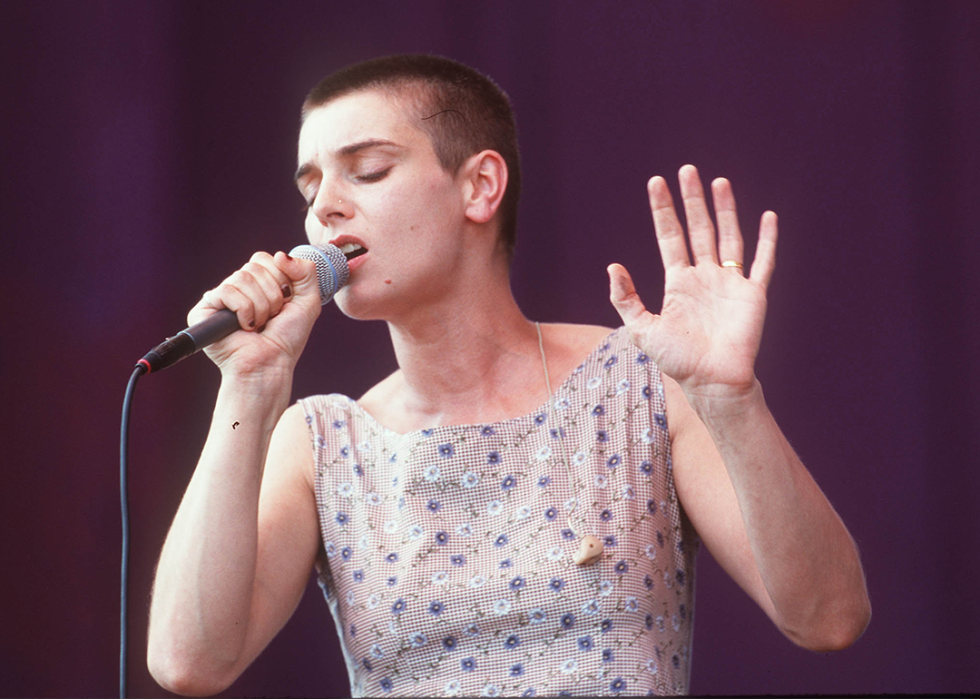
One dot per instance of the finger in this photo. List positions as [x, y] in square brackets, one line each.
[225, 295]
[670, 233]
[242, 292]
[301, 276]
[764, 263]
[203, 308]
[279, 277]
[730, 245]
[700, 229]
[269, 263]
[268, 285]
[622, 294]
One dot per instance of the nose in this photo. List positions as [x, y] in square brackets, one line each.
[331, 207]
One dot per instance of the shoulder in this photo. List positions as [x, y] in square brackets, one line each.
[570, 343]
[288, 464]
[316, 416]
[567, 346]
[322, 404]
[575, 337]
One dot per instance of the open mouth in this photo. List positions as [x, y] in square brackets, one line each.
[352, 250]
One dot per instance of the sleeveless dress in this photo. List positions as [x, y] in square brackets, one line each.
[447, 552]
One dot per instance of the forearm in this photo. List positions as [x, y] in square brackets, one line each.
[202, 595]
[805, 556]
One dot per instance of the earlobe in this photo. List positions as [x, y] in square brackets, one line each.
[486, 182]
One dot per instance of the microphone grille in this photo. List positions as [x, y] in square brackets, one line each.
[331, 267]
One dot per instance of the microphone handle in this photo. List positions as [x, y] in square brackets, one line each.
[216, 326]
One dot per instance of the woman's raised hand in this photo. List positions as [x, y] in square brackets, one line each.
[706, 336]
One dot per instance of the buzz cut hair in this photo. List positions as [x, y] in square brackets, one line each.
[463, 112]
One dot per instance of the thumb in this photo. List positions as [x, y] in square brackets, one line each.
[302, 275]
[623, 294]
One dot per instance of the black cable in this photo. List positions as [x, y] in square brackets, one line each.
[124, 502]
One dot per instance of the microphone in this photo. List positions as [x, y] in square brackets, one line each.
[331, 272]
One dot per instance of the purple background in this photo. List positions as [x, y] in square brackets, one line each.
[148, 149]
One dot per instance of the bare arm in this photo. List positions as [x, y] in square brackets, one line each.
[766, 521]
[243, 542]
[750, 498]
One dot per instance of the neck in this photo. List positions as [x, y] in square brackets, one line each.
[475, 359]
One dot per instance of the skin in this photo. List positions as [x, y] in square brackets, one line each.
[239, 553]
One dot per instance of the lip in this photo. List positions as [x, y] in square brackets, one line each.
[356, 262]
[346, 239]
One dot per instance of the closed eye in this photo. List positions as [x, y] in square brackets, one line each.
[376, 176]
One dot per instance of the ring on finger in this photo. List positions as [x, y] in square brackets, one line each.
[733, 264]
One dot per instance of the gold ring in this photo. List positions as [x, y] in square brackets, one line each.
[732, 263]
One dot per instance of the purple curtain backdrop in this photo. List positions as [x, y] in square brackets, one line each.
[148, 150]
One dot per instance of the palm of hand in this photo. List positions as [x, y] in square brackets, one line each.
[709, 328]
[707, 335]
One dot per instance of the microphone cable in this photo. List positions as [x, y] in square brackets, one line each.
[124, 505]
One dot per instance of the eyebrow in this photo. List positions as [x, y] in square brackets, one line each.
[346, 151]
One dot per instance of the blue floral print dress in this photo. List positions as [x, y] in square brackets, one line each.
[447, 552]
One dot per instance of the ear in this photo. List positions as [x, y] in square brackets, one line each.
[484, 178]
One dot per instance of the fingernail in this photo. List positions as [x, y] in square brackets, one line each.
[287, 291]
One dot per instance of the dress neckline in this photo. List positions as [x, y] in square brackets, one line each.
[544, 407]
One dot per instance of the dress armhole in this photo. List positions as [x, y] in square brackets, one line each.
[311, 414]
[661, 419]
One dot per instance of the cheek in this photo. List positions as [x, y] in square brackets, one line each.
[314, 231]
[423, 222]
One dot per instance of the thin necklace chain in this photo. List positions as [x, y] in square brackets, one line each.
[561, 437]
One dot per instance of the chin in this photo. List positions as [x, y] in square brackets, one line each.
[370, 299]
[359, 306]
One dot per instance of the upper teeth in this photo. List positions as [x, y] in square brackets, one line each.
[349, 247]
